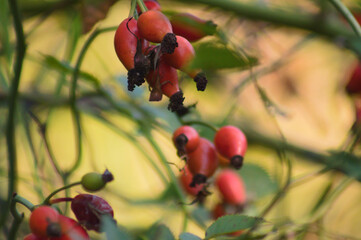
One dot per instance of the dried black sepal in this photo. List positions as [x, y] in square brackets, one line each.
[176, 102]
[169, 43]
[201, 81]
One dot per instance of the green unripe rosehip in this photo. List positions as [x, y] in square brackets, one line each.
[93, 181]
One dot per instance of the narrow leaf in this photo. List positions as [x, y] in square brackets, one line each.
[188, 236]
[160, 231]
[210, 55]
[231, 223]
[257, 180]
[112, 232]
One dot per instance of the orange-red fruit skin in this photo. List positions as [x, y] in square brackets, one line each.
[204, 159]
[125, 43]
[40, 218]
[168, 78]
[230, 141]
[186, 179]
[32, 236]
[153, 26]
[192, 136]
[182, 28]
[182, 55]
[71, 230]
[231, 187]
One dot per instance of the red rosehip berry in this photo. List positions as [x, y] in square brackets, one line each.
[32, 236]
[191, 27]
[181, 58]
[88, 209]
[71, 230]
[155, 27]
[202, 162]
[186, 178]
[126, 40]
[151, 5]
[185, 139]
[231, 187]
[231, 143]
[354, 83]
[44, 222]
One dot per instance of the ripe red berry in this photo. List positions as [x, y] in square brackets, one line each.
[164, 78]
[190, 26]
[88, 209]
[354, 83]
[151, 5]
[231, 143]
[71, 230]
[186, 178]
[44, 222]
[231, 187]
[155, 27]
[203, 161]
[181, 58]
[32, 236]
[185, 139]
[125, 42]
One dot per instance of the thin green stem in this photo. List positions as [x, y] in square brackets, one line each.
[12, 104]
[47, 200]
[133, 6]
[18, 217]
[23, 201]
[348, 15]
[198, 122]
[73, 106]
[142, 6]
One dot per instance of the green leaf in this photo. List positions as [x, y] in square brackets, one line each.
[210, 56]
[345, 162]
[201, 215]
[112, 232]
[64, 67]
[257, 180]
[188, 236]
[231, 223]
[160, 231]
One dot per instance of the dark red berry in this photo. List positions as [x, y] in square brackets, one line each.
[203, 161]
[354, 83]
[88, 209]
[151, 5]
[186, 178]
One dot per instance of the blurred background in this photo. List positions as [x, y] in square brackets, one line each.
[295, 94]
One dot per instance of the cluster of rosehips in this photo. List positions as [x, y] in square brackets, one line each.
[202, 161]
[47, 223]
[153, 48]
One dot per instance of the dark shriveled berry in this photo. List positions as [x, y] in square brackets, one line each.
[176, 102]
[169, 43]
[201, 81]
[88, 209]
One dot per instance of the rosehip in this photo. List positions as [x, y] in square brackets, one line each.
[88, 209]
[151, 5]
[354, 84]
[71, 230]
[44, 222]
[185, 139]
[125, 42]
[190, 26]
[186, 178]
[231, 187]
[180, 59]
[231, 143]
[32, 236]
[203, 161]
[154, 26]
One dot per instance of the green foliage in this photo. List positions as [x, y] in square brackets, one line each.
[257, 180]
[112, 232]
[231, 223]
[159, 231]
[188, 236]
[213, 55]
